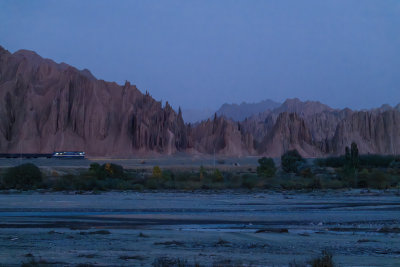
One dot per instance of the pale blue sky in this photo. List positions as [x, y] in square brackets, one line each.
[204, 53]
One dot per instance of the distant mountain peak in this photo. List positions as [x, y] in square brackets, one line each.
[239, 112]
[385, 107]
[306, 107]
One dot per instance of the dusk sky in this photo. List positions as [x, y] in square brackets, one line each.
[201, 54]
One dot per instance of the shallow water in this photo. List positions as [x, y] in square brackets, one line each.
[262, 228]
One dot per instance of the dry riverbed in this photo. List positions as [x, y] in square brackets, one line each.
[251, 228]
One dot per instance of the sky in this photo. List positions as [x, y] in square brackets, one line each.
[201, 54]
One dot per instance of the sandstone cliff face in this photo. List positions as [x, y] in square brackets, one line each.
[317, 130]
[46, 107]
[260, 124]
[289, 132]
[222, 136]
[373, 132]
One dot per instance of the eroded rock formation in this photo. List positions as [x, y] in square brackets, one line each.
[46, 107]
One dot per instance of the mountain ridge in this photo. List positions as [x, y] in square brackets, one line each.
[47, 106]
[239, 112]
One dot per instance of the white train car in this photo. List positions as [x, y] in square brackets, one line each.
[69, 155]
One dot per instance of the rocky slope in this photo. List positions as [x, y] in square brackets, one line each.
[315, 129]
[46, 107]
[374, 132]
[222, 136]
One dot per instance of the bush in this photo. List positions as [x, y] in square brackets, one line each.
[369, 161]
[94, 167]
[348, 176]
[249, 181]
[202, 172]
[266, 167]
[395, 164]
[334, 162]
[291, 160]
[233, 181]
[296, 183]
[316, 183]
[217, 176]
[376, 161]
[329, 183]
[82, 183]
[305, 170]
[138, 187]
[378, 179]
[325, 260]
[157, 173]
[113, 170]
[107, 170]
[24, 176]
[152, 183]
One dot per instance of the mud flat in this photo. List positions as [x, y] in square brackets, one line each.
[258, 229]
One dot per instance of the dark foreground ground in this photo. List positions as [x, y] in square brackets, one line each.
[258, 229]
[180, 161]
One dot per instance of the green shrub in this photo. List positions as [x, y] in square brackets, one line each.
[217, 176]
[152, 183]
[266, 167]
[157, 173]
[107, 170]
[233, 181]
[316, 183]
[113, 170]
[202, 172]
[376, 161]
[366, 161]
[329, 183]
[305, 171]
[296, 183]
[334, 162]
[395, 163]
[138, 187]
[363, 177]
[64, 183]
[348, 176]
[249, 181]
[291, 160]
[378, 179]
[24, 176]
[325, 260]
[94, 167]
[84, 183]
[168, 175]
[123, 185]
[133, 175]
